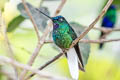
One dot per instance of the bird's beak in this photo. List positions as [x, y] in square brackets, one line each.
[44, 14]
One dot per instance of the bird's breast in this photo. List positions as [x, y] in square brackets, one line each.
[62, 38]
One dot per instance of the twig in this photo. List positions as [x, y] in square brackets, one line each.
[10, 51]
[7, 74]
[26, 67]
[41, 42]
[31, 18]
[41, 2]
[36, 30]
[45, 65]
[105, 30]
[91, 41]
[87, 30]
[93, 23]
[99, 41]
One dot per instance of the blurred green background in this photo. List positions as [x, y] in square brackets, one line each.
[102, 64]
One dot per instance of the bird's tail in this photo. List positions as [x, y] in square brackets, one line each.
[101, 44]
[73, 63]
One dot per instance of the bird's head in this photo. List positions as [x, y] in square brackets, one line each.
[58, 19]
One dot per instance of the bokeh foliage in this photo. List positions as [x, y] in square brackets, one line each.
[100, 65]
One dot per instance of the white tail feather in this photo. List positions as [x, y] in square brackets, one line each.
[73, 63]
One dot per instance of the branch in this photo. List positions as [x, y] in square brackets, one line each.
[41, 42]
[106, 30]
[26, 67]
[41, 2]
[45, 65]
[32, 20]
[93, 23]
[10, 51]
[7, 74]
[91, 41]
[36, 30]
[99, 41]
[83, 34]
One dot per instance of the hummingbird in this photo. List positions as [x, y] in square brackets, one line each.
[108, 21]
[63, 35]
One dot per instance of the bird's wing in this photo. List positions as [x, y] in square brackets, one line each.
[81, 65]
[77, 49]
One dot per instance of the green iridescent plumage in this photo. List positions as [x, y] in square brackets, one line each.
[111, 14]
[63, 34]
[109, 20]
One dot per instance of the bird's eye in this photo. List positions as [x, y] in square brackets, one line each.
[61, 19]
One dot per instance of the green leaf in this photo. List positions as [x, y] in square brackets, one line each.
[84, 47]
[39, 18]
[15, 23]
[116, 2]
